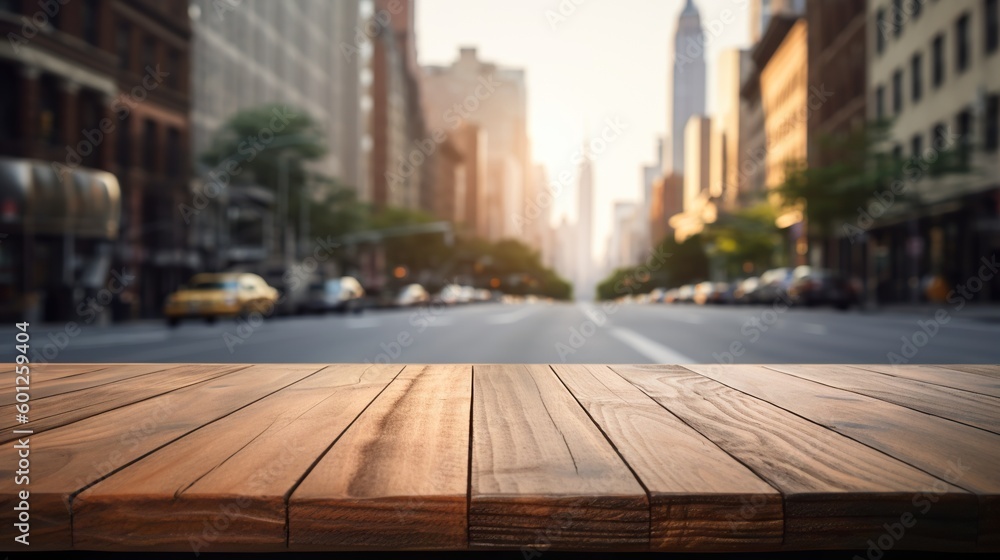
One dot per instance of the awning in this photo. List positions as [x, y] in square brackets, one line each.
[35, 197]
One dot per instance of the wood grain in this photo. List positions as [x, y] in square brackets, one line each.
[964, 456]
[701, 498]
[542, 472]
[838, 493]
[42, 388]
[398, 477]
[59, 410]
[234, 472]
[955, 379]
[987, 370]
[68, 459]
[973, 409]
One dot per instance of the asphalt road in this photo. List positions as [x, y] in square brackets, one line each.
[539, 333]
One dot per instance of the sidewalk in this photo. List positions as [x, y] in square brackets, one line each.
[974, 311]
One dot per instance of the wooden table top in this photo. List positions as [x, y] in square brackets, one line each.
[699, 458]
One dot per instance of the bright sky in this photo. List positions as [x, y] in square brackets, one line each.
[607, 59]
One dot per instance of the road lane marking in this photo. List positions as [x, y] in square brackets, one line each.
[653, 350]
[509, 318]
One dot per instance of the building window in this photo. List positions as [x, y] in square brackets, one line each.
[174, 68]
[897, 92]
[915, 8]
[880, 31]
[940, 136]
[992, 10]
[123, 45]
[962, 49]
[937, 48]
[173, 153]
[89, 20]
[897, 153]
[10, 110]
[880, 103]
[917, 77]
[963, 121]
[123, 148]
[148, 53]
[917, 146]
[149, 146]
[49, 109]
[991, 128]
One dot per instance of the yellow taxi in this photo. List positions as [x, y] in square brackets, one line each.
[210, 296]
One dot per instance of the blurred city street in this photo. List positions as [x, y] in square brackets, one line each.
[545, 333]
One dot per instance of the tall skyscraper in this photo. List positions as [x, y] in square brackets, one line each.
[583, 283]
[687, 97]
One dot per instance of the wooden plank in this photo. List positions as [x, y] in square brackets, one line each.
[542, 472]
[939, 376]
[66, 460]
[223, 486]
[992, 370]
[966, 457]
[398, 477]
[42, 388]
[977, 410]
[701, 499]
[838, 493]
[51, 372]
[60, 410]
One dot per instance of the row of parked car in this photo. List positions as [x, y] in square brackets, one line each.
[803, 285]
[210, 296]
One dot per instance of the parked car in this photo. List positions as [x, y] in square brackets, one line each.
[722, 293]
[685, 294]
[412, 295]
[812, 286]
[746, 290]
[656, 296]
[670, 296]
[344, 294]
[449, 295]
[702, 291]
[210, 296]
[774, 285]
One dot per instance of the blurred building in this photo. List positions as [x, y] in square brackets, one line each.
[299, 53]
[934, 69]
[782, 57]
[761, 12]
[728, 142]
[585, 277]
[837, 64]
[650, 173]
[687, 86]
[104, 84]
[699, 207]
[667, 201]
[625, 244]
[494, 99]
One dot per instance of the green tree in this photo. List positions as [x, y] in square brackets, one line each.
[747, 235]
